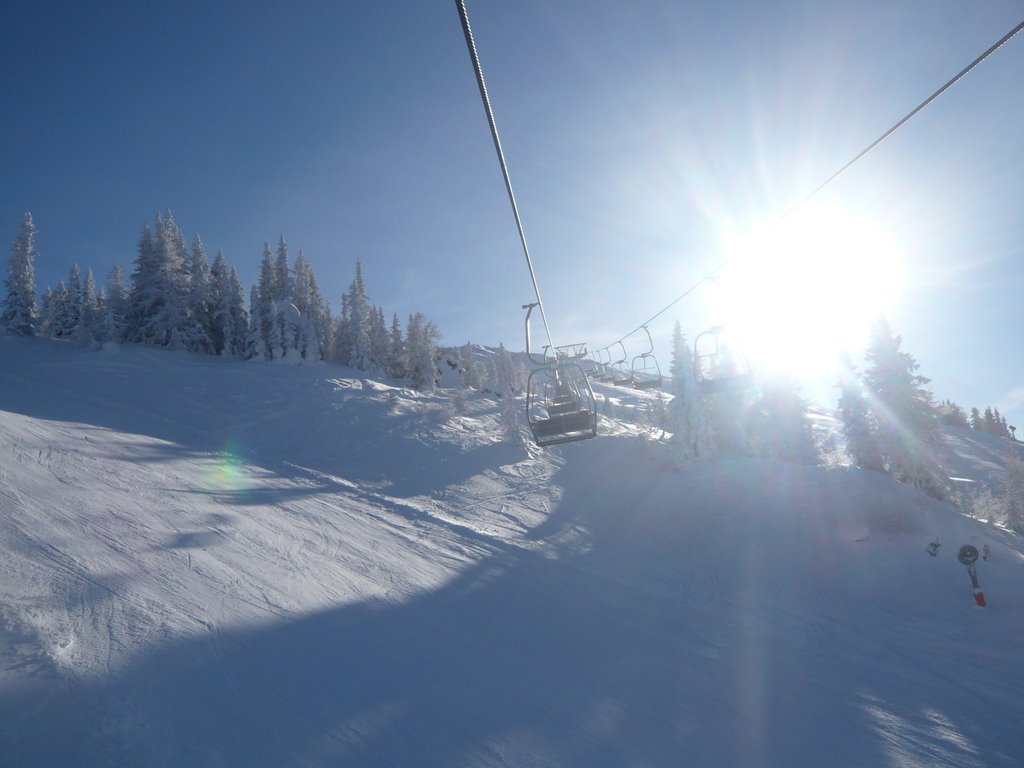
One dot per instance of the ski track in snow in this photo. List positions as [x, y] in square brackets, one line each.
[208, 562]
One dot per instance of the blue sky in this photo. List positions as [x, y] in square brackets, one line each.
[645, 140]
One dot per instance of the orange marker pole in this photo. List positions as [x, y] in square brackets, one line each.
[968, 555]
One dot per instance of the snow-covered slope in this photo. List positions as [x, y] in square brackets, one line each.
[215, 563]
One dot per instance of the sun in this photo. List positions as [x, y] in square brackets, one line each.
[800, 293]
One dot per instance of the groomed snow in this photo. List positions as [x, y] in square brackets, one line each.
[208, 562]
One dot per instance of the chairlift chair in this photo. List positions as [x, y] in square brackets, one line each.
[604, 367]
[560, 404]
[620, 369]
[645, 371]
[718, 364]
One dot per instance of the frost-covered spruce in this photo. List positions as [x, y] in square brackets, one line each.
[19, 313]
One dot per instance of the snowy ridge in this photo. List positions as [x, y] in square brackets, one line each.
[210, 562]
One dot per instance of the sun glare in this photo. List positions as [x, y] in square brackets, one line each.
[800, 293]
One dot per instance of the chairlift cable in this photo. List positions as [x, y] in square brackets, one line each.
[471, 45]
[948, 84]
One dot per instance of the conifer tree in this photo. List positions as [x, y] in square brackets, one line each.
[999, 424]
[282, 280]
[359, 323]
[230, 324]
[261, 307]
[952, 414]
[47, 312]
[201, 300]
[421, 353]
[313, 334]
[379, 341]
[520, 376]
[396, 349]
[778, 425]
[503, 376]
[286, 326]
[115, 307]
[73, 303]
[158, 302]
[142, 299]
[170, 326]
[906, 425]
[1013, 493]
[64, 307]
[468, 368]
[253, 342]
[87, 331]
[219, 289]
[236, 328]
[19, 314]
[988, 424]
[975, 418]
[855, 414]
[341, 348]
[687, 413]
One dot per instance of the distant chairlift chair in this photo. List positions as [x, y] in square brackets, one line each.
[645, 371]
[604, 366]
[621, 372]
[718, 364]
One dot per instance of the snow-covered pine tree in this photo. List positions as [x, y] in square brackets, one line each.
[1012, 494]
[855, 414]
[201, 300]
[360, 320]
[952, 414]
[87, 330]
[521, 376]
[236, 329]
[341, 349]
[283, 281]
[115, 307]
[313, 334]
[468, 368]
[322, 319]
[379, 341]
[503, 379]
[999, 424]
[19, 314]
[143, 301]
[396, 349]
[219, 288]
[421, 353]
[778, 425]
[158, 302]
[173, 323]
[63, 309]
[261, 307]
[72, 312]
[287, 324]
[904, 414]
[975, 418]
[306, 340]
[254, 346]
[654, 417]
[687, 417]
[47, 312]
